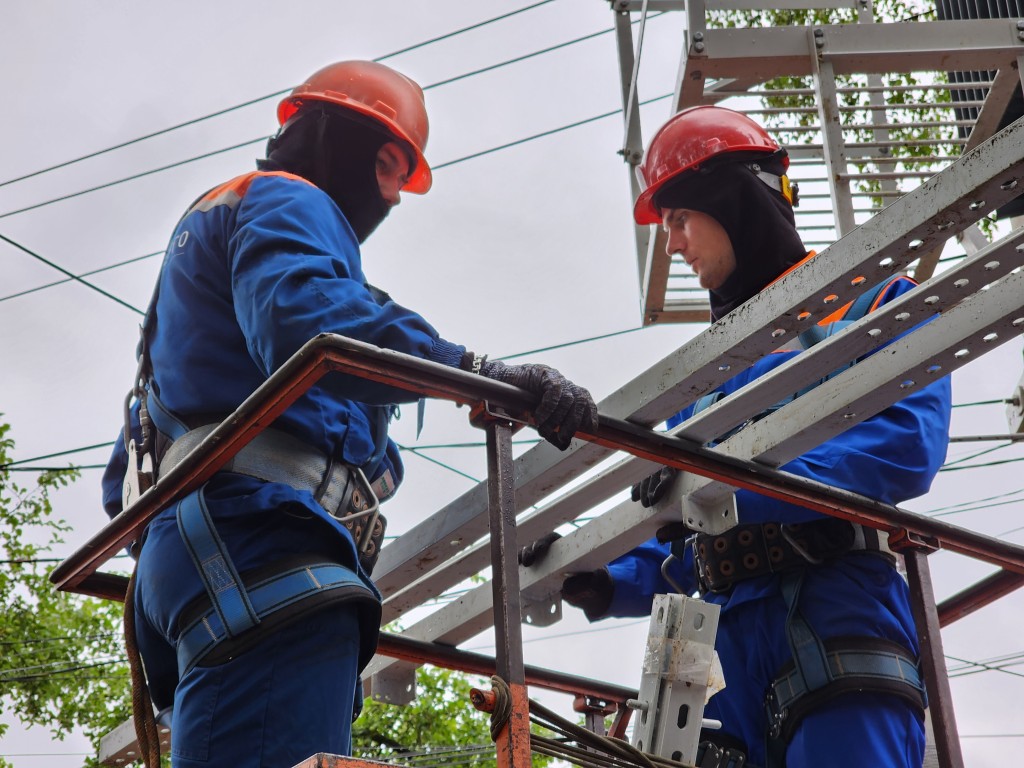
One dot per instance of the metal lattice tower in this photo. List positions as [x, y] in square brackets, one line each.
[866, 110]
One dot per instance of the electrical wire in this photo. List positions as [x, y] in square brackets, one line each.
[71, 275]
[107, 268]
[273, 95]
[976, 455]
[133, 177]
[215, 152]
[459, 472]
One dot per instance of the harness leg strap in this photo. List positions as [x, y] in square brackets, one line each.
[211, 559]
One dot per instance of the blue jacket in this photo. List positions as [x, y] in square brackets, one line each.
[256, 268]
[891, 457]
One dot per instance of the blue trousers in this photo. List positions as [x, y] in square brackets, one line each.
[859, 595]
[288, 697]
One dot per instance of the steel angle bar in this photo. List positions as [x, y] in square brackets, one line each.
[916, 222]
[593, 545]
[835, 149]
[856, 340]
[1006, 83]
[626, 525]
[947, 203]
[931, 46]
[977, 325]
[404, 648]
[560, 510]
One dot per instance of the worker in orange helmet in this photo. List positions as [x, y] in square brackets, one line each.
[816, 637]
[254, 609]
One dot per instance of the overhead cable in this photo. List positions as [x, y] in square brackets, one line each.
[71, 275]
[273, 95]
[107, 268]
[215, 152]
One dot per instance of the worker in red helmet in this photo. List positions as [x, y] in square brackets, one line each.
[254, 609]
[816, 636]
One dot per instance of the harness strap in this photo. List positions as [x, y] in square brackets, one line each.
[821, 670]
[806, 647]
[277, 457]
[223, 585]
[275, 593]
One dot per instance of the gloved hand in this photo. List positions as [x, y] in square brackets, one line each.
[563, 407]
[535, 552]
[591, 592]
[652, 488]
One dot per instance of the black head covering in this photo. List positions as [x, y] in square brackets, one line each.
[757, 218]
[336, 149]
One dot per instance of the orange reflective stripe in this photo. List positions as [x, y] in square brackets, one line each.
[231, 192]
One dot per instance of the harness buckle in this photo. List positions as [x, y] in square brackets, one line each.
[776, 714]
[359, 512]
[138, 478]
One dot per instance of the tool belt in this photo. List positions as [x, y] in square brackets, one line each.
[747, 551]
[277, 457]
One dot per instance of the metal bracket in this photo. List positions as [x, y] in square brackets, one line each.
[677, 673]
[713, 512]
[395, 685]
[903, 540]
[484, 414]
[1015, 408]
[541, 611]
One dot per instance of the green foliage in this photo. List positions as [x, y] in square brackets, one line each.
[61, 655]
[441, 717]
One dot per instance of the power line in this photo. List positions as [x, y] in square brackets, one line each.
[58, 453]
[439, 463]
[133, 177]
[215, 152]
[61, 269]
[980, 466]
[55, 283]
[976, 455]
[275, 94]
[1003, 401]
[568, 344]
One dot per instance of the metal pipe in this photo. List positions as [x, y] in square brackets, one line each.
[329, 352]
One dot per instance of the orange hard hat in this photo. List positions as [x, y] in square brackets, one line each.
[379, 92]
[688, 140]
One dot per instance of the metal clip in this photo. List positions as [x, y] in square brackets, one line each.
[138, 478]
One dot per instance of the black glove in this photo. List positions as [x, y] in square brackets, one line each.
[563, 407]
[652, 488]
[534, 553]
[590, 591]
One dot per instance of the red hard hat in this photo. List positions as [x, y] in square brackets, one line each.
[689, 139]
[376, 91]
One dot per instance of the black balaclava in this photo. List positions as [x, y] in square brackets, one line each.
[336, 149]
[758, 220]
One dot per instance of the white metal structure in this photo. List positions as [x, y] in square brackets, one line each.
[853, 132]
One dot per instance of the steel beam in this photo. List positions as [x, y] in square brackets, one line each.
[938, 209]
[930, 46]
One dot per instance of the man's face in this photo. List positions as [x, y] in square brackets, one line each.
[703, 244]
[392, 172]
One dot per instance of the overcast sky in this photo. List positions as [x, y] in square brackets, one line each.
[517, 249]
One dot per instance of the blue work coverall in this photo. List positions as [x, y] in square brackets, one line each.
[256, 268]
[892, 456]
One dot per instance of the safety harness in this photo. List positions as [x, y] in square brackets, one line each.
[819, 670]
[237, 610]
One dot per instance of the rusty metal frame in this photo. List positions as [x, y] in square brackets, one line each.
[501, 404]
